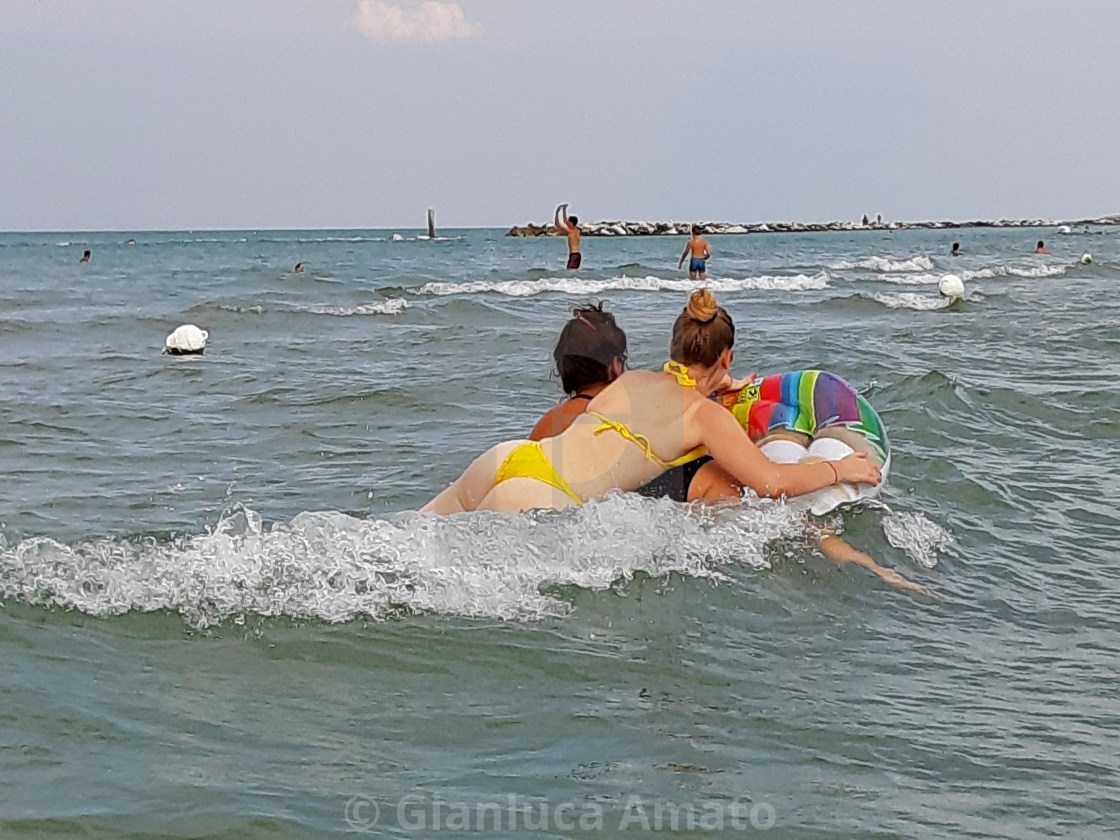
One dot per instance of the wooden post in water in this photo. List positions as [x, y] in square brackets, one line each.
[431, 223]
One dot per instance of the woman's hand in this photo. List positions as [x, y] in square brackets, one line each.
[729, 383]
[857, 468]
[740, 384]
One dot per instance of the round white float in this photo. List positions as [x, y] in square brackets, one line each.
[186, 339]
[951, 286]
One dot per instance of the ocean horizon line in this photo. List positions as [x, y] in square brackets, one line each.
[750, 227]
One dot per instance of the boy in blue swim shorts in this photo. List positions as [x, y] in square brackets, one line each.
[698, 247]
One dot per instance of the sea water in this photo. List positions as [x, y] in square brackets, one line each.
[219, 615]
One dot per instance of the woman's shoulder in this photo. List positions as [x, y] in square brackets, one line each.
[558, 418]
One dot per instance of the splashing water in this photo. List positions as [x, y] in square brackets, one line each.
[921, 539]
[335, 567]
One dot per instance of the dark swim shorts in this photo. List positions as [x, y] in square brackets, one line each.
[574, 259]
[673, 484]
[695, 265]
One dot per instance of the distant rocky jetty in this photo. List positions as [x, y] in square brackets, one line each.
[619, 228]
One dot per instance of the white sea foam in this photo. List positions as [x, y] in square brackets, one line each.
[422, 237]
[912, 279]
[318, 239]
[334, 567]
[1036, 270]
[920, 538]
[933, 279]
[979, 274]
[886, 264]
[392, 306]
[580, 286]
[912, 300]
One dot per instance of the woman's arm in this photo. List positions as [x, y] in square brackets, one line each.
[732, 449]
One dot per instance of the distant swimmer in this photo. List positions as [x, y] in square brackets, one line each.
[299, 268]
[1040, 248]
[569, 226]
[701, 253]
[956, 252]
[85, 256]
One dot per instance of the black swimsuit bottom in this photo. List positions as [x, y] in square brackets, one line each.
[673, 483]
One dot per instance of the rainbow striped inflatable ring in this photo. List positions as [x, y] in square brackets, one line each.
[808, 401]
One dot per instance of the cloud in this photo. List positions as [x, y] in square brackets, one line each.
[432, 22]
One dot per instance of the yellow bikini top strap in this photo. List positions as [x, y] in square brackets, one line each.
[680, 373]
[691, 455]
[606, 424]
[640, 440]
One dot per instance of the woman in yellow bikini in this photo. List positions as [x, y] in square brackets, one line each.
[642, 424]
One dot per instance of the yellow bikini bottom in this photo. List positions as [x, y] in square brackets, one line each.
[529, 461]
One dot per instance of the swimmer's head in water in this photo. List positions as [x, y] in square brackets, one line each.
[589, 345]
[702, 332]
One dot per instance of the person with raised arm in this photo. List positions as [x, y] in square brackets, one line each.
[569, 226]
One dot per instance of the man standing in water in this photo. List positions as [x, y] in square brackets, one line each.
[698, 245]
[569, 226]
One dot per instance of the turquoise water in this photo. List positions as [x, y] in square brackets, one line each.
[219, 617]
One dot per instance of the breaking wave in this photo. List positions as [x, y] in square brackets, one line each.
[578, 286]
[886, 264]
[912, 300]
[392, 306]
[335, 567]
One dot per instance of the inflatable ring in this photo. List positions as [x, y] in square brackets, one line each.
[809, 415]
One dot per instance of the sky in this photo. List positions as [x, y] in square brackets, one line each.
[318, 114]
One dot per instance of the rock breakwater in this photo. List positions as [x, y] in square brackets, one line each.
[622, 228]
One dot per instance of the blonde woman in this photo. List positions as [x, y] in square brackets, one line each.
[642, 424]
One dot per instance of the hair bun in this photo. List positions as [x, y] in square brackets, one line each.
[702, 306]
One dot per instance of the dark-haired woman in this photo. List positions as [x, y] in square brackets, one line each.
[637, 427]
[589, 355]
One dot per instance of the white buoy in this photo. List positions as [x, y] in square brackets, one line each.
[1065, 230]
[951, 286]
[185, 340]
[397, 237]
[1086, 259]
